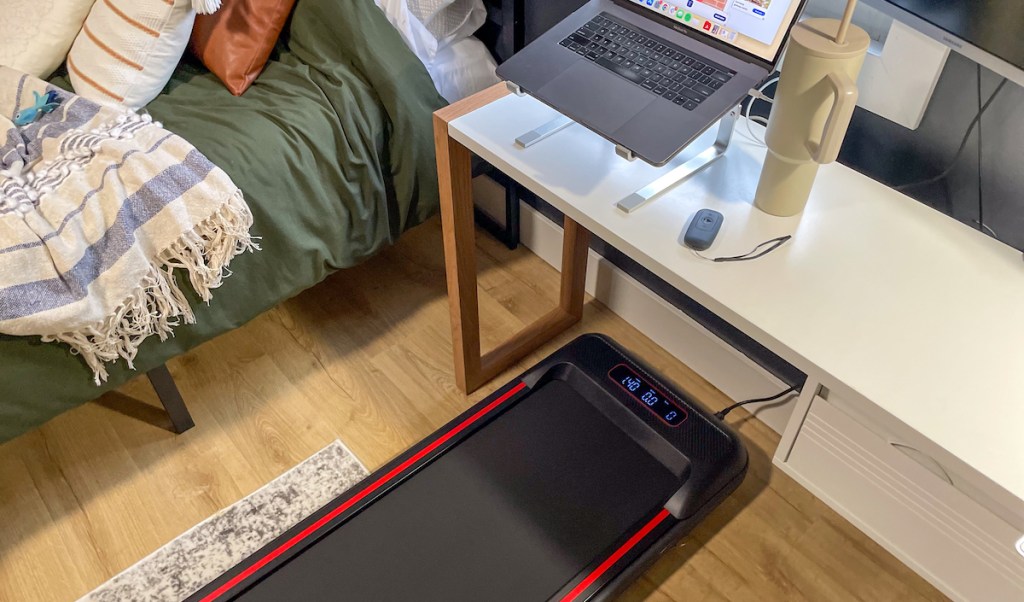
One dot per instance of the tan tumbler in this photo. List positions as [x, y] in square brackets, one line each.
[813, 106]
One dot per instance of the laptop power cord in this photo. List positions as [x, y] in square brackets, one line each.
[755, 95]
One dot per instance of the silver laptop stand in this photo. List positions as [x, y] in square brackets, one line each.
[641, 197]
[545, 131]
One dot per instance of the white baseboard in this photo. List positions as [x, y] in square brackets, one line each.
[716, 361]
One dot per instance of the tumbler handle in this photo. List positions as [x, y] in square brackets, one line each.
[844, 92]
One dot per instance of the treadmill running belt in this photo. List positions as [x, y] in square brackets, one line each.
[473, 525]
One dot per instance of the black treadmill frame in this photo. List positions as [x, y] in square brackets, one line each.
[606, 576]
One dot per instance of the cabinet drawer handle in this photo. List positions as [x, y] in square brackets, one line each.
[924, 460]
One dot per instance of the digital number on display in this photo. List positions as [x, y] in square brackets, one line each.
[646, 394]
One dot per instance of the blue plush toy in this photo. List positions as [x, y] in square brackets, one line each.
[44, 104]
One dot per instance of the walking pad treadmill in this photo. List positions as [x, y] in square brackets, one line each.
[565, 484]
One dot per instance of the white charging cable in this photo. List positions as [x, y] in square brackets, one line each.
[756, 95]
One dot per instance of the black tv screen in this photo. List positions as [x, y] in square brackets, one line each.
[995, 26]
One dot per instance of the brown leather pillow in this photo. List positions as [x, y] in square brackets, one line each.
[236, 41]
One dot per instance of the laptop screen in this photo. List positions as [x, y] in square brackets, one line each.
[758, 27]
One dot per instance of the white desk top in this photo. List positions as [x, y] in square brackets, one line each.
[876, 293]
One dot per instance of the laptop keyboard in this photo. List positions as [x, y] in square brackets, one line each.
[649, 62]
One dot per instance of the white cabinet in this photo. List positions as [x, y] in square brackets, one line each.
[908, 502]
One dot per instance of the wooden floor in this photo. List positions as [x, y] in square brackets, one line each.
[366, 357]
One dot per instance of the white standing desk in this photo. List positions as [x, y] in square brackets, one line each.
[908, 322]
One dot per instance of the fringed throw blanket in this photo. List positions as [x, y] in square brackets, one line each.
[99, 208]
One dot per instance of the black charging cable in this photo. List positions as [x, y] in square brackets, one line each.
[721, 414]
[963, 143]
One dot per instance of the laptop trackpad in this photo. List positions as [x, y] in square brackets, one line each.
[600, 98]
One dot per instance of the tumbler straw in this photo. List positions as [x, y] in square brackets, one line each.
[845, 24]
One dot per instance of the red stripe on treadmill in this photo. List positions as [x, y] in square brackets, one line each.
[616, 556]
[391, 474]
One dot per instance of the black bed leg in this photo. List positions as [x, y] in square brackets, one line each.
[170, 397]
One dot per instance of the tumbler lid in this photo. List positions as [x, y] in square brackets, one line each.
[817, 37]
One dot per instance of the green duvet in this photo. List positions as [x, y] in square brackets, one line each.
[333, 148]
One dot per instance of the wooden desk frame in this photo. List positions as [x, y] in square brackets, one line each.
[473, 369]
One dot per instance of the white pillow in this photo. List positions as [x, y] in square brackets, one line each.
[35, 35]
[463, 69]
[128, 49]
[429, 26]
[449, 20]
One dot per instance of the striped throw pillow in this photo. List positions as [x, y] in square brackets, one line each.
[128, 49]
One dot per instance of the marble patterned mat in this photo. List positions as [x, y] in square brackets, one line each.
[198, 556]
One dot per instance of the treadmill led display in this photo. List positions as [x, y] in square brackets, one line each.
[646, 394]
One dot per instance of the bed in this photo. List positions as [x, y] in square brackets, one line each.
[333, 148]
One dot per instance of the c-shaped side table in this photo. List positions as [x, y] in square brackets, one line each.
[455, 182]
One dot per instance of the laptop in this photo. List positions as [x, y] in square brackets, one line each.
[650, 75]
